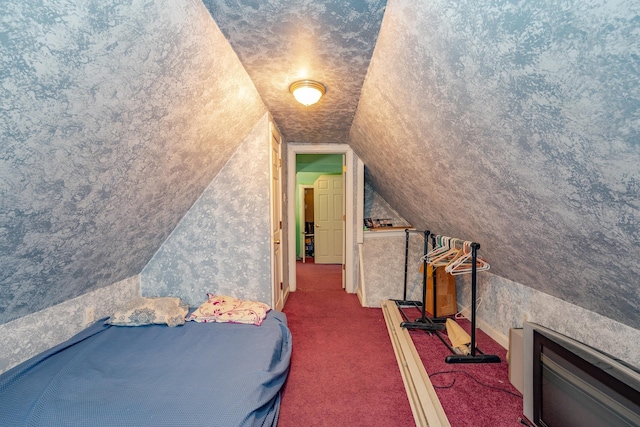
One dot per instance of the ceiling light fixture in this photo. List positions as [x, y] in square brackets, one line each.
[307, 92]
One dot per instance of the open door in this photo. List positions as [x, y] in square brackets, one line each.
[293, 149]
[329, 223]
[278, 293]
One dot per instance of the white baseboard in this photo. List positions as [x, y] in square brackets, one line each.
[496, 335]
[360, 297]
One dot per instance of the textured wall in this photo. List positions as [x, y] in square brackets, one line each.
[504, 304]
[282, 41]
[222, 245]
[376, 207]
[114, 118]
[25, 337]
[515, 125]
[384, 257]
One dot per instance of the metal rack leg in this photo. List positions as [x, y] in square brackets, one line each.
[473, 357]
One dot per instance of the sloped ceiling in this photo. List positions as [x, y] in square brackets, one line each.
[114, 117]
[282, 41]
[516, 125]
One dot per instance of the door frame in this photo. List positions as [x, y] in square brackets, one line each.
[292, 150]
[301, 189]
[278, 293]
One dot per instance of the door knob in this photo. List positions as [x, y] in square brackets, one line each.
[277, 241]
[317, 226]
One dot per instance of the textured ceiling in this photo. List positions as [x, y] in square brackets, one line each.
[518, 126]
[108, 134]
[281, 41]
[512, 124]
[515, 124]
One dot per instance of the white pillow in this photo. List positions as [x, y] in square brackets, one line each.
[147, 311]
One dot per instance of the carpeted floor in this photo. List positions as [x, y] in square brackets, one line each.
[343, 369]
[471, 394]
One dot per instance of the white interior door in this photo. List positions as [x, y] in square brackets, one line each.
[352, 184]
[328, 215]
[276, 218]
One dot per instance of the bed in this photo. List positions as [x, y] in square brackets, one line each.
[195, 374]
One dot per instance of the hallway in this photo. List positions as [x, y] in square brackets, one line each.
[343, 369]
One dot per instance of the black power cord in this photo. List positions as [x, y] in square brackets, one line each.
[473, 378]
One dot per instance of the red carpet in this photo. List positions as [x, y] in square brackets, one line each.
[343, 369]
[344, 372]
[478, 395]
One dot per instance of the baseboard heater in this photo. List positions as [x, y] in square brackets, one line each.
[425, 405]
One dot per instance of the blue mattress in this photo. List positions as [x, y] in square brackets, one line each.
[198, 374]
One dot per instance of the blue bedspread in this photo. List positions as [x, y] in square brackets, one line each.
[213, 374]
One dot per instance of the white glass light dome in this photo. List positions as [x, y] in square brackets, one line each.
[307, 92]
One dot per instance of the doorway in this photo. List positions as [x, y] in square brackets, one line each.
[294, 235]
[320, 218]
[328, 201]
[278, 293]
[306, 220]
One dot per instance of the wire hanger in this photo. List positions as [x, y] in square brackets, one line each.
[451, 254]
[442, 246]
[464, 264]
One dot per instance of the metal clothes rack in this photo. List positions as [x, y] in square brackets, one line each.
[476, 355]
[435, 324]
[423, 322]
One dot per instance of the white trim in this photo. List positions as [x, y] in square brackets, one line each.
[292, 150]
[362, 296]
[349, 253]
[375, 234]
[301, 189]
[276, 303]
[496, 335]
[425, 405]
[360, 202]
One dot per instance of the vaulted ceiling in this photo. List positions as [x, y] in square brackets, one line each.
[282, 41]
[514, 124]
